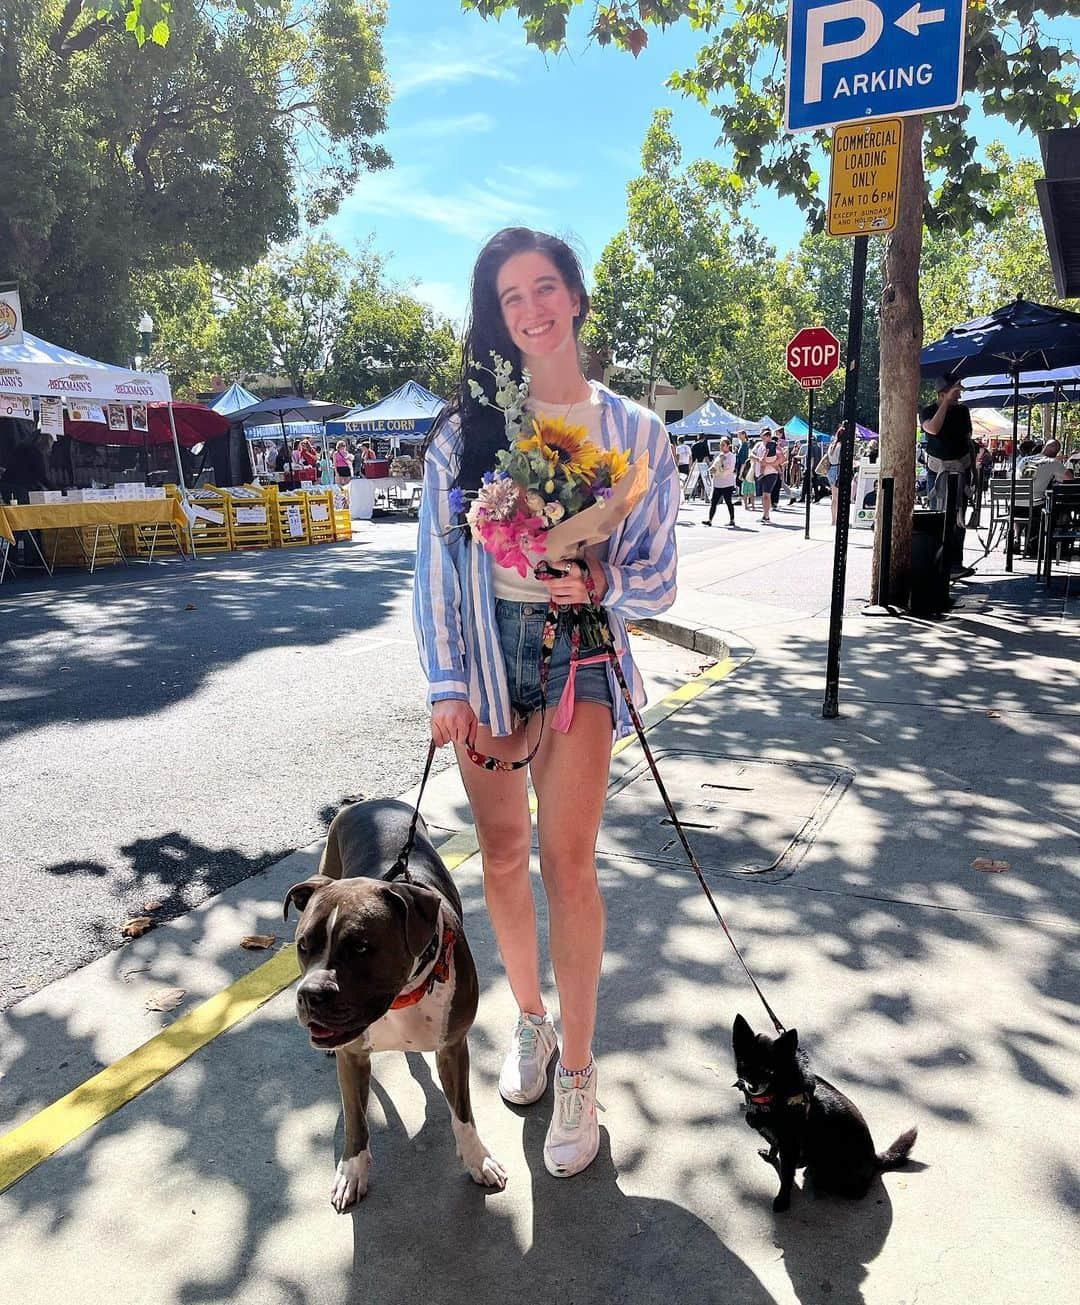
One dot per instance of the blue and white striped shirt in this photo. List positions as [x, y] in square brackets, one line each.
[454, 599]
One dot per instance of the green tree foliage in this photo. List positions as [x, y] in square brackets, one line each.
[692, 292]
[119, 160]
[965, 275]
[388, 337]
[186, 341]
[671, 287]
[333, 323]
[285, 312]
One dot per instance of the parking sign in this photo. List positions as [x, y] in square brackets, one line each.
[863, 59]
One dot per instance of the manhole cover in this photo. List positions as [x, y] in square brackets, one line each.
[742, 815]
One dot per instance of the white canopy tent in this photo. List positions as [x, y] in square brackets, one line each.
[37, 368]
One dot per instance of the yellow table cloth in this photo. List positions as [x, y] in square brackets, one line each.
[62, 516]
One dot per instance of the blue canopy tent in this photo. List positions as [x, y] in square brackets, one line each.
[767, 423]
[405, 415]
[710, 419]
[797, 429]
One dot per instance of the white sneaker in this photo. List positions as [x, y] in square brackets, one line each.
[573, 1138]
[524, 1075]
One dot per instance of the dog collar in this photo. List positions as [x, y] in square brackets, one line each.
[439, 971]
[800, 1100]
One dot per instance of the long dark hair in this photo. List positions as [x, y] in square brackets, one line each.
[482, 427]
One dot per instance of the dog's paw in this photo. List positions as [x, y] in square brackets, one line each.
[482, 1166]
[351, 1181]
[781, 1203]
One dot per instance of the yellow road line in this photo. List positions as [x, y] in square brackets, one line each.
[41, 1136]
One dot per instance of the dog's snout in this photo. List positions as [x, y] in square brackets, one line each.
[317, 989]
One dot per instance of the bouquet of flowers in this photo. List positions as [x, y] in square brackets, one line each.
[552, 491]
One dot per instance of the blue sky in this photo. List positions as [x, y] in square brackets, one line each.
[486, 132]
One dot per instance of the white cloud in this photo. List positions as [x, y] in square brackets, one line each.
[472, 210]
[467, 124]
[445, 61]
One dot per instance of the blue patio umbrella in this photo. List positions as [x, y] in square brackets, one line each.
[1025, 337]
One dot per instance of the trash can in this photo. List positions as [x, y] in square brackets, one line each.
[929, 568]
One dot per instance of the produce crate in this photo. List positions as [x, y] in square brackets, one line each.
[340, 515]
[62, 547]
[289, 524]
[249, 509]
[320, 512]
[213, 535]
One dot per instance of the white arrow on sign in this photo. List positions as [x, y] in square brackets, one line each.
[912, 20]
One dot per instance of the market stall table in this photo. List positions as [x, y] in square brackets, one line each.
[153, 514]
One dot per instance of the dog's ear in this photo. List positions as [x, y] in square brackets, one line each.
[788, 1043]
[419, 908]
[300, 894]
[742, 1035]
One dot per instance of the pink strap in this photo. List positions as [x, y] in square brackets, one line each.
[564, 716]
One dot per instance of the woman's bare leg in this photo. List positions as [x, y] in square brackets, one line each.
[570, 775]
[500, 807]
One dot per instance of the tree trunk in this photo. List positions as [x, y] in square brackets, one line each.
[901, 341]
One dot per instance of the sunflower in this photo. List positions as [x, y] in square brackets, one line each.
[612, 464]
[566, 446]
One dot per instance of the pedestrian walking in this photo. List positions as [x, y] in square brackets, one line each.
[744, 472]
[682, 458]
[722, 472]
[480, 628]
[832, 458]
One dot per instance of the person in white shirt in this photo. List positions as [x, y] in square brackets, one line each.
[722, 471]
[682, 456]
[1047, 471]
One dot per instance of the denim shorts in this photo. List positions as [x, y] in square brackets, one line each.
[521, 633]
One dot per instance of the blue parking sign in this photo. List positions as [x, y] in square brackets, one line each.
[862, 59]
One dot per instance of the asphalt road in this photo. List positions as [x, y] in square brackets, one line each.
[167, 732]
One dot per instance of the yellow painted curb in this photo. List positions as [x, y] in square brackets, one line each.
[91, 1102]
[41, 1136]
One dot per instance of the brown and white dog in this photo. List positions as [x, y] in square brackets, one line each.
[385, 967]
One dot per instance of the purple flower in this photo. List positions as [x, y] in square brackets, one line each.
[457, 500]
[603, 492]
[488, 477]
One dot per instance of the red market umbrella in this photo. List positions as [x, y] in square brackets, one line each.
[195, 424]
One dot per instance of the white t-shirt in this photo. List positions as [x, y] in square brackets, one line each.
[1047, 471]
[723, 471]
[507, 583]
[683, 454]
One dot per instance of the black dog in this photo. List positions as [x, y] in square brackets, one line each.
[805, 1120]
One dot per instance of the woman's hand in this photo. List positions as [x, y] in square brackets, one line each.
[452, 721]
[570, 588]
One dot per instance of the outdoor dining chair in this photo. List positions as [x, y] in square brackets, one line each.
[1000, 499]
[1060, 525]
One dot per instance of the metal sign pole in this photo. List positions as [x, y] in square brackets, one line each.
[808, 471]
[831, 706]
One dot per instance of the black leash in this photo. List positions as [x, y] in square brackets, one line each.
[401, 865]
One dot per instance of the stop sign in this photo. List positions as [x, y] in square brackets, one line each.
[812, 356]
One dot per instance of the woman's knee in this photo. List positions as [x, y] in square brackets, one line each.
[570, 880]
[505, 853]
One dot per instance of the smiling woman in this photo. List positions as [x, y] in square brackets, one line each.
[497, 646]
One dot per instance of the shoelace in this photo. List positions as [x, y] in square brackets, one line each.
[526, 1038]
[571, 1107]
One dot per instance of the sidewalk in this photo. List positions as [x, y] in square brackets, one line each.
[841, 853]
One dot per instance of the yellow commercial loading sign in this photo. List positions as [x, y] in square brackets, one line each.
[864, 181]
